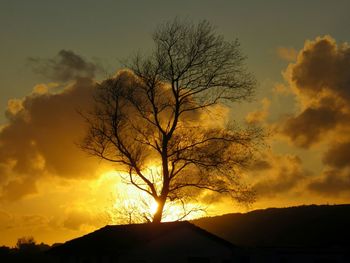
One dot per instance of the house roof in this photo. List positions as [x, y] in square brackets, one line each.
[120, 238]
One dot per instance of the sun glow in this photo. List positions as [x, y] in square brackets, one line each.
[132, 205]
[153, 207]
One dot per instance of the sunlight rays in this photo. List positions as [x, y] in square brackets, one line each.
[129, 205]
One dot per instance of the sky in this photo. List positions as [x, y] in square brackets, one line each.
[297, 50]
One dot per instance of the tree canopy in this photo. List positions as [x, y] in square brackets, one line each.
[164, 110]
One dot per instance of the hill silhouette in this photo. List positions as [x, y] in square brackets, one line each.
[302, 226]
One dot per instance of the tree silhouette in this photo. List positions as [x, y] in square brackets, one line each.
[160, 112]
[26, 244]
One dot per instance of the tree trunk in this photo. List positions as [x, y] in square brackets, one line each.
[157, 217]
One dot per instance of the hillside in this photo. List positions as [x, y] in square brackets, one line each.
[314, 225]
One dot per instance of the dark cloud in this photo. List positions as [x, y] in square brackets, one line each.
[320, 79]
[338, 155]
[260, 165]
[275, 174]
[333, 182]
[16, 188]
[322, 65]
[39, 139]
[311, 126]
[66, 66]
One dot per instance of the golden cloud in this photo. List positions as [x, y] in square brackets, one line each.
[332, 183]
[259, 115]
[39, 139]
[320, 82]
[276, 174]
[43, 129]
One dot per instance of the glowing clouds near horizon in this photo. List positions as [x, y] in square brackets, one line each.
[39, 140]
[320, 82]
[314, 165]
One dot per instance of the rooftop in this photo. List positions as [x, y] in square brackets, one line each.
[124, 237]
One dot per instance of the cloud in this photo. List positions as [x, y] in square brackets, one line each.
[333, 182]
[6, 220]
[338, 155]
[66, 66]
[16, 188]
[320, 80]
[33, 220]
[259, 115]
[311, 125]
[280, 88]
[76, 219]
[274, 174]
[260, 164]
[285, 53]
[322, 65]
[39, 139]
[9, 221]
[44, 127]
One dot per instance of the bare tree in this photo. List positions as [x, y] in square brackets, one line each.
[24, 243]
[125, 211]
[140, 209]
[152, 114]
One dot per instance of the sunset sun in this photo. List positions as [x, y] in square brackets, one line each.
[153, 208]
[127, 200]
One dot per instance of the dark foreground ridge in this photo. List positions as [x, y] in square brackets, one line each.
[150, 242]
[121, 238]
[302, 226]
[296, 234]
